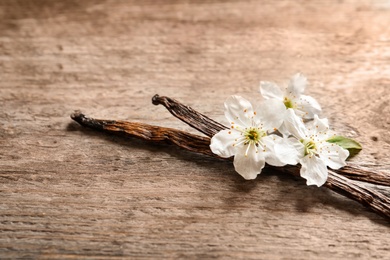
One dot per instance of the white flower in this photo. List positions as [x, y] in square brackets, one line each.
[292, 96]
[313, 151]
[249, 139]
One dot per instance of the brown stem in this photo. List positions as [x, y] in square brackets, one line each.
[209, 127]
[370, 198]
[155, 134]
[356, 191]
[189, 116]
[360, 174]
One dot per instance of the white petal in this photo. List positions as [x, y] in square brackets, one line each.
[296, 86]
[309, 106]
[319, 128]
[283, 130]
[222, 143]
[238, 110]
[300, 113]
[333, 155]
[269, 150]
[270, 113]
[270, 90]
[321, 124]
[248, 166]
[289, 150]
[313, 170]
[295, 125]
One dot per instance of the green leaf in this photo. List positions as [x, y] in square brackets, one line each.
[351, 145]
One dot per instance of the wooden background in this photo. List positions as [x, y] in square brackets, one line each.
[69, 192]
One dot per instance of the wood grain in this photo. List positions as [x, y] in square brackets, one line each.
[67, 192]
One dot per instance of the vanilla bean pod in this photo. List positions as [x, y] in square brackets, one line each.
[209, 127]
[354, 190]
[189, 116]
[359, 174]
[155, 134]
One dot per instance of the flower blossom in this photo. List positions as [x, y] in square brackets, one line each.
[249, 138]
[292, 97]
[312, 150]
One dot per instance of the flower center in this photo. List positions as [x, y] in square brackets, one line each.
[310, 146]
[288, 103]
[253, 135]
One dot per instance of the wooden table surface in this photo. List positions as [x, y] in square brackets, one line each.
[69, 192]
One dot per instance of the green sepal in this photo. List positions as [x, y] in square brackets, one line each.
[351, 145]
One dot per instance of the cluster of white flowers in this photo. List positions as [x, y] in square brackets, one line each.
[278, 132]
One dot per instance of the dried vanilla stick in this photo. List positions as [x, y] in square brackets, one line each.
[154, 134]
